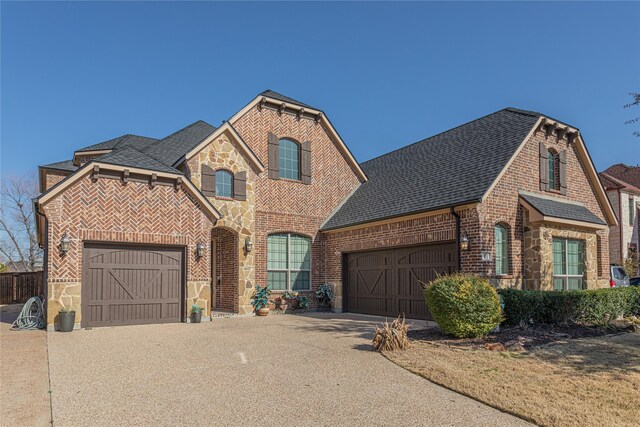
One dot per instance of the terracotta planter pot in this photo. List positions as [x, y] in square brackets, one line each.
[263, 311]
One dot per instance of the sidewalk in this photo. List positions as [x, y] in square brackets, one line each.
[24, 374]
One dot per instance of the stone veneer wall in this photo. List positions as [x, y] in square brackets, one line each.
[107, 210]
[238, 217]
[538, 256]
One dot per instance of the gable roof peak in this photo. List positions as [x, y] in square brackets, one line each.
[280, 97]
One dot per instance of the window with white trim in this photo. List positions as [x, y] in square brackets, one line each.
[568, 264]
[289, 159]
[288, 262]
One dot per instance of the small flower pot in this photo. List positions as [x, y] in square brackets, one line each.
[262, 311]
[196, 317]
[66, 321]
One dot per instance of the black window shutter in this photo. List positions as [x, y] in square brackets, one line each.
[544, 167]
[563, 171]
[305, 162]
[274, 157]
[240, 186]
[208, 181]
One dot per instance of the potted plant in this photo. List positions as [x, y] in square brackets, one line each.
[66, 319]
[324, 295]
[292, 299]
[281, 303]
[303, 303]
[260, 300]
[196, 313]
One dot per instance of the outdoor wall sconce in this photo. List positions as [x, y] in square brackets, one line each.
[248, 244]
[464, 243]
[200, 250]
[65, 243]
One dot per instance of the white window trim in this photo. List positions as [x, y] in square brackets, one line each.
[507, 255]
[227, 171]
[289, 270]
[565, 277]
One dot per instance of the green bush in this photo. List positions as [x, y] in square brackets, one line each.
[597, 306]
[463, 306]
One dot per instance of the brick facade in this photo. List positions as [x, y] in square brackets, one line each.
[53, 177]
[106, 210]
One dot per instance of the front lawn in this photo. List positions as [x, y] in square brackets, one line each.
[589, 381]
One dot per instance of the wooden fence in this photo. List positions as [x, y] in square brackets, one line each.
[19, 287]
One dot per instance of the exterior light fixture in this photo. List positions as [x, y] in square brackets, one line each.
[65, 243]
[248, 244]
[464, 243]
[200, 250]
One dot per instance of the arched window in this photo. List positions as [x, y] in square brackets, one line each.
[289, 159]
[288, 262]
[502, 249]
[554, 170]
[224, 183]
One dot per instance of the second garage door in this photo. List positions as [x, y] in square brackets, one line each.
[124, 285]
[387, 282]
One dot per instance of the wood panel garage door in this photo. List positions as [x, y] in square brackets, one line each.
[386, 282]
[126, 285]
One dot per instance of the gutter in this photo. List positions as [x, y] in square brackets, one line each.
[457, 217]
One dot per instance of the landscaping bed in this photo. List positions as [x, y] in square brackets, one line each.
[516, 338]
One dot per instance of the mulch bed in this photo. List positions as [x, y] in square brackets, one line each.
[517, 338]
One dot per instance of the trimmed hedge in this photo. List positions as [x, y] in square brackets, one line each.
[463, 306]
[597, 306]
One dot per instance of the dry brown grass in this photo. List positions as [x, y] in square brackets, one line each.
[391, 336]
[580, 382]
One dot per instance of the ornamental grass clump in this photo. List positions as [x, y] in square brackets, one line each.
[464, 306]
[391, 336]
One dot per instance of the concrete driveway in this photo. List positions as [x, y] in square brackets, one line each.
[278, 370]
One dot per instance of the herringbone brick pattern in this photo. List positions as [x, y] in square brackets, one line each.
[108, 210]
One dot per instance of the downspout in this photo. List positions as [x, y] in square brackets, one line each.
[457, 217]
[620, 231]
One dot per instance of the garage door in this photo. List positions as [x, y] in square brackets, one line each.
[387, 282]
[126, 285]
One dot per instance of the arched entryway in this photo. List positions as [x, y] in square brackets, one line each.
[224, 250]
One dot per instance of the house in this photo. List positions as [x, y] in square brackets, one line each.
[137, 229]
[622, 184]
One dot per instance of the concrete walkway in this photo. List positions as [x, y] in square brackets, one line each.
[24, 373]
[278, 370]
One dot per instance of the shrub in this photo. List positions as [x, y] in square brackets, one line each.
[391, 336]
[597, 306]
[463, 306]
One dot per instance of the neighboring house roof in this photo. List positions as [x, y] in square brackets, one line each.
[608, 182]
[122, 141]
[449, 169]
[129, 156]
[65, 165]
[555, 208]
[629, 175]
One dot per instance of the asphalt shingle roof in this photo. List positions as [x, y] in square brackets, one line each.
[129, 156]
[280, 97]
[625, 173]
[561, 209]
[122, 141]
[170, 149]
[451, 168]
[65, 165]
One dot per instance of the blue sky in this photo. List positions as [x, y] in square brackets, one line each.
[387, 74]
